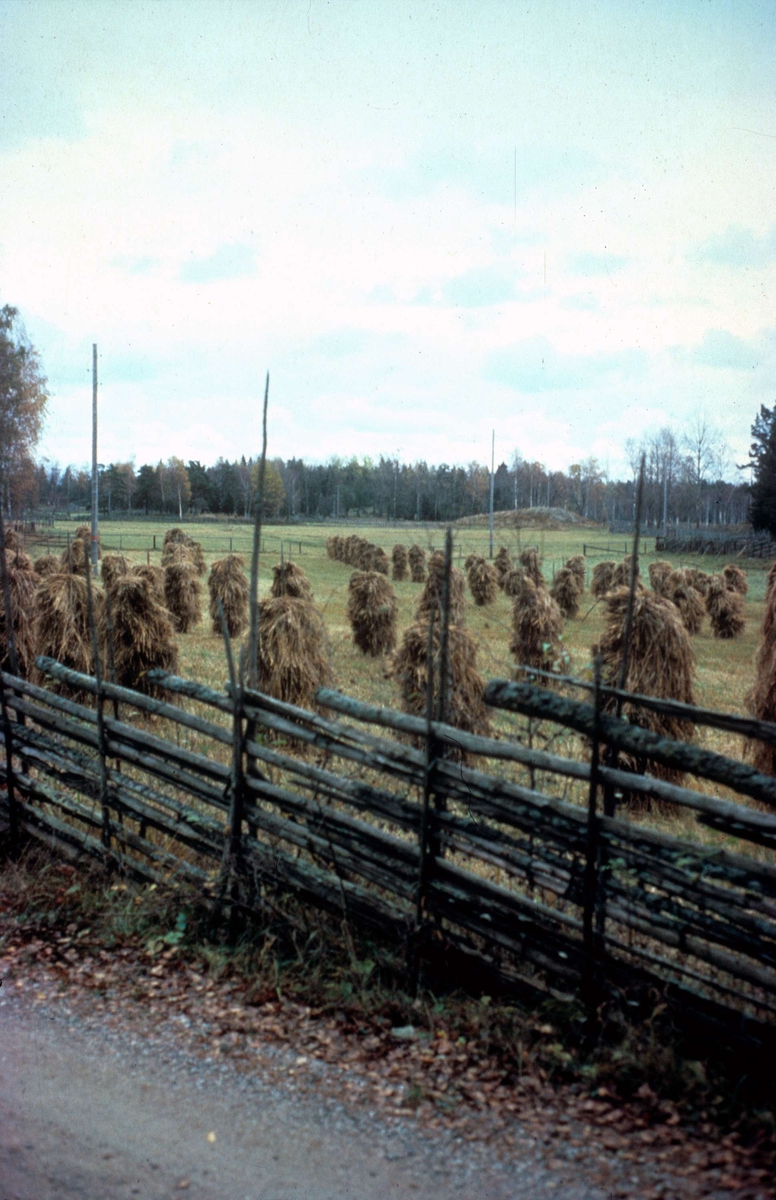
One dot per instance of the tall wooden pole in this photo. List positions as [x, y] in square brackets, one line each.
[95, 486]
[492, 484]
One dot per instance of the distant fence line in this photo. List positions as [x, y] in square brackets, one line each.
[399, 832]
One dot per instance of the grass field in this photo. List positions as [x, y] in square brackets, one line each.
[724, 669]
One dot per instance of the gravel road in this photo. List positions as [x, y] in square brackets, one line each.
[90, 1112]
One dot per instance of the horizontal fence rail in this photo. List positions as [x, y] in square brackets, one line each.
[416, 829]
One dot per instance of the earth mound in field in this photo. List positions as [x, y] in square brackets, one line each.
[531, 518]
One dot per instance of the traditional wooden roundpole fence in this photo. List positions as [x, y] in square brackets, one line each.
[339, 808]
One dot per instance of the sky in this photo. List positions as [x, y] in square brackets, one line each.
[427, 221]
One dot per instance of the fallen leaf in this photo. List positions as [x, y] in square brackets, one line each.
[211, 1137]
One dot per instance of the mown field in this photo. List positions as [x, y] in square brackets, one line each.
[724, 669]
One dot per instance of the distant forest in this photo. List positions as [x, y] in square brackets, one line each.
[683, 483]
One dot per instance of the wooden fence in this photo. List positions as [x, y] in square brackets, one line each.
[421, 832]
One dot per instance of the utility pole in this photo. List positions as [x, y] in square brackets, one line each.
[492, 484]
[95, 488]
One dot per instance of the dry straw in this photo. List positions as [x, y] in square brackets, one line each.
[537, 629]
[178, 546]
[47, 564]
[603, 578]
[465, 686]
[372, 612]
[514, 581]
[373, 558]
[735, 579]
[566, 592]
[725, 609]
[142, 634]
[771, 580]
[417, 558]
[532, 565]
[154, 575]
[622, 573]
[658, 576]
[290, 580]
[182, 596]
[113, 566]
[687, 599]
[483, 582]
[432, 594]
[293, 659]
[503, 564]
[698, 579]
[23, 584]
[576, 564]
[229, 584]
[660, 663]
[400, 563]
[62, 629]
[761, 699]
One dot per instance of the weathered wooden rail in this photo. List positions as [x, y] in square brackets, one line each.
[251, 799]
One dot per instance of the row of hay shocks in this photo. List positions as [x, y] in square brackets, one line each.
[691, 590]
[355, 551]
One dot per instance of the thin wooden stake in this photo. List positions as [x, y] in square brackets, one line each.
[231, 864]
[253, 639]
[13, 800]
[424, 844]
[106, 831]
[592, 851]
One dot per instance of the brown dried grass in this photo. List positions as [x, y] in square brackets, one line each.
[532, 565]
[61, 627]
[372, 612]
[537, 629]
[687, 599]
[566, 592]
[229, 584]
[661, 663]
[23, 584]
[143, 636]
[465, 706]
[658, 575]
[735, 579]
[400, 563]
[47, 564]
[178, 545]
[761, 699]
[725, 609]
[603, 578]
[417, 559]
[293, 659]
[503, 564]
[431, 596]
[698, 579]
[576, 564]
[154, 575]
[288, 579]
[622, 573]
[483, 582]
[182, 596]
[114, 566]
[514, 582]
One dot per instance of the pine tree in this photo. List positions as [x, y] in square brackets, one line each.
[762, 457]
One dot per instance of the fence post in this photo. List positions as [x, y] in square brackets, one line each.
[106, 830]
[592, 937]
[231, 863]
[13, 662]
[424, 841]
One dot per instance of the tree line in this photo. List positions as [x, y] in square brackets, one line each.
[678, 487]
[685, 475]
